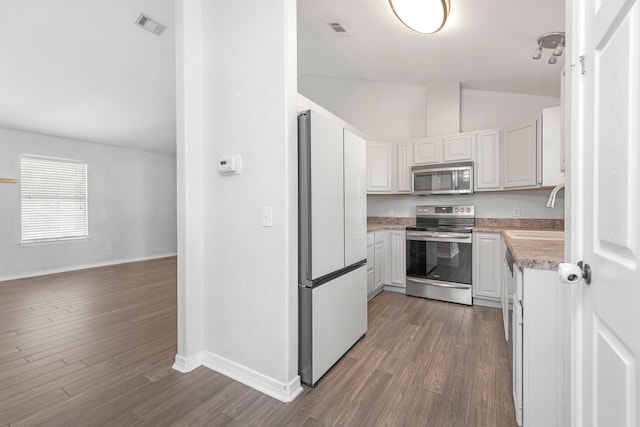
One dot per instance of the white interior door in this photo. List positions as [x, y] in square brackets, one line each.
[608, 310]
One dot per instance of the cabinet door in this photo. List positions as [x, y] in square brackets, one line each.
[428, 150]
[355, 198]
[371, 263]
[457, 147]
[403, 167]
[519, 161]
[379, 167]
[487, 165]
[552, 168]
[487, 271]
[398, 258]
[379, 260]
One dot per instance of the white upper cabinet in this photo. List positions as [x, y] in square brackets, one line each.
[519, 156]
[532, 152]
[389, 167]
[379, 167]
[487, 166]
[552, 168]
[404, 160]
[458, 147]
[427, 150]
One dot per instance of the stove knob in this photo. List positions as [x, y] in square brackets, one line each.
[468, 209]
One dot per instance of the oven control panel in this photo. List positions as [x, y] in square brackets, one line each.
[464, 211]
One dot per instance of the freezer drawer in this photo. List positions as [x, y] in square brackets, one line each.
[333, 317]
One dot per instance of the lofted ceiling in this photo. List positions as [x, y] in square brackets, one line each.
[81, 69]
[486, 45]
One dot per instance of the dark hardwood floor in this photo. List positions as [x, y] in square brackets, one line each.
[95, 348]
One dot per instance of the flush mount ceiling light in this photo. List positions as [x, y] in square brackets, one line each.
[423, 16]
[553, 41]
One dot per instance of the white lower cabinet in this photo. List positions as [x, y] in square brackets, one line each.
[371, 264]
[379, 260]
[538, 348]
[386, 261]
[375, 262]
[398, 258]
[487, 269]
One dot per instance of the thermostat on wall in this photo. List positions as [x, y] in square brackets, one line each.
[229, 165]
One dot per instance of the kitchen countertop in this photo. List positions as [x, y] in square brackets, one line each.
[375, 223]
[529, 253]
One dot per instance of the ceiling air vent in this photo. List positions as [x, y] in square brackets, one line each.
[339, 29]
[150, 25]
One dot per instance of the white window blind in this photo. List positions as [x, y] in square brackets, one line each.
[54, 199]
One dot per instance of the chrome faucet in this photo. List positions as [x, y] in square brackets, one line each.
[551, 203]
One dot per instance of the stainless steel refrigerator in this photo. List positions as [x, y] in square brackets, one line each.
[332, 290]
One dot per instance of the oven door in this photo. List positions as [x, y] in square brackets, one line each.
[439, 266]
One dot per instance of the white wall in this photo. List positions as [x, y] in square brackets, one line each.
[132, 206]
[483, 109]
[488, 205]
[382, 111]
[247, 107]
[395, 112]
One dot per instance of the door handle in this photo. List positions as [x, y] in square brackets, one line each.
[586, 272]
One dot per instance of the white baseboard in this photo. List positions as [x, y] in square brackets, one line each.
[394, 288]
[188, 364]
[282, 391]
[84, 266]
[487, 302]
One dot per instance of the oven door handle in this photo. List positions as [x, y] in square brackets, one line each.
[439, 284]
[439, 237]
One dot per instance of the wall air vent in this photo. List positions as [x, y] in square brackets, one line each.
[339, 29]
[150, 25]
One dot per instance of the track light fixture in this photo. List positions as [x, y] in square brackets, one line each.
[553, 41]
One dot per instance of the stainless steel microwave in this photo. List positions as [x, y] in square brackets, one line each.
[448, 178]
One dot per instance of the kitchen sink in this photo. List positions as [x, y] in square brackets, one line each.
[535, 234]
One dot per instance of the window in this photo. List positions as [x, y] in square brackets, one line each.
[53, 199]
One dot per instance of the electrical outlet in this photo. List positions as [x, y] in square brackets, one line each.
[516, 212]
